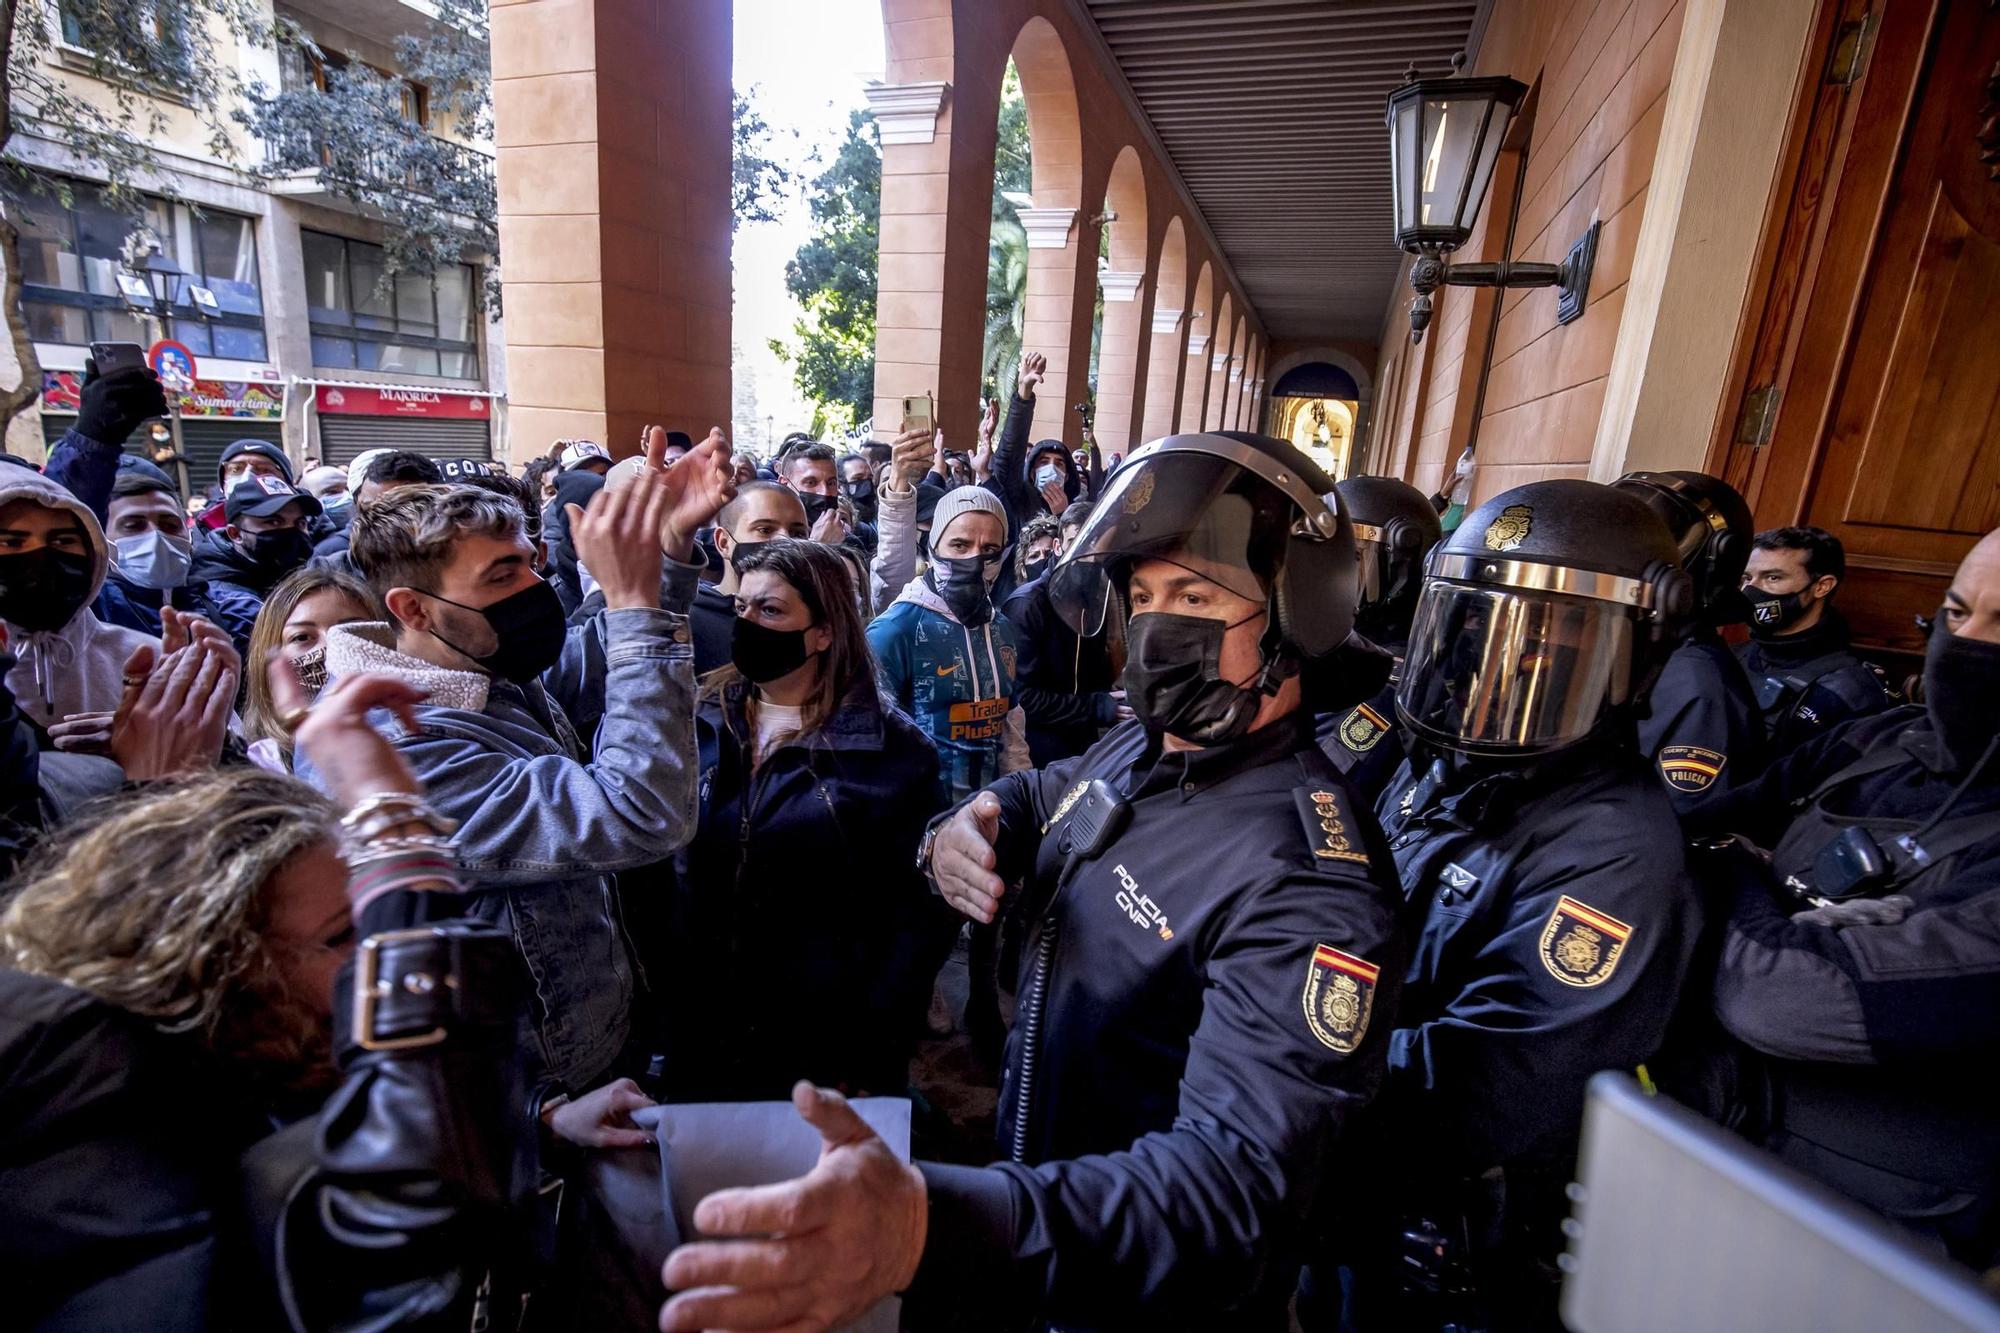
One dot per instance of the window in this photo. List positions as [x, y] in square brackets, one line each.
[70, 258]
[413, 325]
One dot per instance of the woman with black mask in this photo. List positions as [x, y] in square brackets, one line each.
[805, 941]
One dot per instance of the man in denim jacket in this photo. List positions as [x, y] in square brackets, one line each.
[544, 821]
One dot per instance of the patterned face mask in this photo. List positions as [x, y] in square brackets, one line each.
[311, 667]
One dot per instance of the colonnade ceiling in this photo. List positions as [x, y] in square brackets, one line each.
[1272, 113]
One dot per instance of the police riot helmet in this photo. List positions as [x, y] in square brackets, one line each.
[1711, 524]
[1395, 526]
[1548, 611]
[1249, 512]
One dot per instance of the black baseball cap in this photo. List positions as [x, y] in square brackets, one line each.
[261, 497]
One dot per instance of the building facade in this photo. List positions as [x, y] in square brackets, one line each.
[304, 346]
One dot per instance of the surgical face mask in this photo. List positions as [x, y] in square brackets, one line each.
[1174, 680]
[1048, 474]
[282, 550]
[335, 504]
[152, 559]
[528, 630]
[1964, 707]
[1774, 612]
[43, 589]
[764, 654]
[962, 583]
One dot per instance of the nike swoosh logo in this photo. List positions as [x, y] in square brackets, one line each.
[946, 671]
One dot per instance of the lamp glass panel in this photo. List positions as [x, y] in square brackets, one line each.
[1403, 161]
[1451, 129]
[1489, 153]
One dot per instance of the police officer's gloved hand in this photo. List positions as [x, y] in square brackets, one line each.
[113, 405]
[1887, 911]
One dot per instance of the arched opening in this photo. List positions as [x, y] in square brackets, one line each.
[1239, 355]
[1050, 242]
[1360, 375]
[1217, 370]
[1169, 326]
[1120, 279]
[1317, 406]
[1194, 376]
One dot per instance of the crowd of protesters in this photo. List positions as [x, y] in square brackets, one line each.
[381, 837]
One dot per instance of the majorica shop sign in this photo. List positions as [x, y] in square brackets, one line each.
[396, 401]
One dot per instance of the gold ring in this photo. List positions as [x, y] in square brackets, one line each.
[133, 682]
[290, 718]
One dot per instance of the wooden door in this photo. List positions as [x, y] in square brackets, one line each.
[1870, 401]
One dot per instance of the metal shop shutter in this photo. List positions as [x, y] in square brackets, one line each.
[343, 438]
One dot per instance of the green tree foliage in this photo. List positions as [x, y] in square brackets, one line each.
[832, 350]
[139, 52]
[757, 184]
[437, 198]
[1007, 245]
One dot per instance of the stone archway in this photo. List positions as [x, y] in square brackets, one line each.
[1364, 383]
[1194, 376]
[1123, 284]
[1166, 358]
[1055, 240]
[1223, 320]
[1316, 405]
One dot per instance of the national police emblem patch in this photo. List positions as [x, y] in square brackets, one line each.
[1581, 945]
[1362, 728]
[1510, 529]
[1339, 997]
[1690, 767]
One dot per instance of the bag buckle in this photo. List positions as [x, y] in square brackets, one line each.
[371, 989]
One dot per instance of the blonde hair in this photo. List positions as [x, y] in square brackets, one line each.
[157, 903]
[267, 635]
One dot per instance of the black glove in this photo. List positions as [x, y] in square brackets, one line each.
[113, 405]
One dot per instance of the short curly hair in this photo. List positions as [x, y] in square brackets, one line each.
[405, 539]
[158, 903]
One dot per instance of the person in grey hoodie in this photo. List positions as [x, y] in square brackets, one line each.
[543, 822]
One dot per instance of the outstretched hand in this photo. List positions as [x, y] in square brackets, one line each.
[963, 859]
[697, 487]
[827, 1245]
[174, 713]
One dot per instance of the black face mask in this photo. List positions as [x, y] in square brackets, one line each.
[1174, 680]
[1959, 693]
[737, 550]
[1034, 569]
[961, 583]
[1773, 613]
[43, 589]
[860, 491]
[817, 505]
[279, 552]
[764, 654]
[528, 627]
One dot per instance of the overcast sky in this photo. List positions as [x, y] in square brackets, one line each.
[807, 62]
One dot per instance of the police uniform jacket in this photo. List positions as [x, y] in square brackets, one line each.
[1808, 684]
[1364, 741]
[1705, 732]
[1558, 919]
[1203, 1006]
[1877, 1034]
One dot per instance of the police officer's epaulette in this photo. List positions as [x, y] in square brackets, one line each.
[1330, 830]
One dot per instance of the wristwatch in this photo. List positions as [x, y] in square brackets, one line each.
[925, 848]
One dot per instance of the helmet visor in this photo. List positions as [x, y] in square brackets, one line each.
[1203, 513]
[1499, 670]
[1371, 554]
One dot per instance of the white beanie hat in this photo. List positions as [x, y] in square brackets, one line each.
[966, 500]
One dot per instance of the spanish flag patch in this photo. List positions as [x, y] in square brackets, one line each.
[1581, 945]
[1339, 997]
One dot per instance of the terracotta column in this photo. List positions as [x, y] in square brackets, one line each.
[1163, 381]
[612, 121]
[1118, 362]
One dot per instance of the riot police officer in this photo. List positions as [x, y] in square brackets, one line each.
[1395, 526]
[1860, 971]
[1213, 957]
[1704, 730]
[1800, 658]
[1544, 859]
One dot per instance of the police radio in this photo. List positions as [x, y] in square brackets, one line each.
[1095, 823]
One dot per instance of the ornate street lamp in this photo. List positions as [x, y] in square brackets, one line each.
[1444, 140]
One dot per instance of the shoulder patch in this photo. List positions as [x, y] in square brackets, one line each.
[1324, 815]
[1339, 997]
[1581, 946]
[1362, 728]
[1690, 767]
